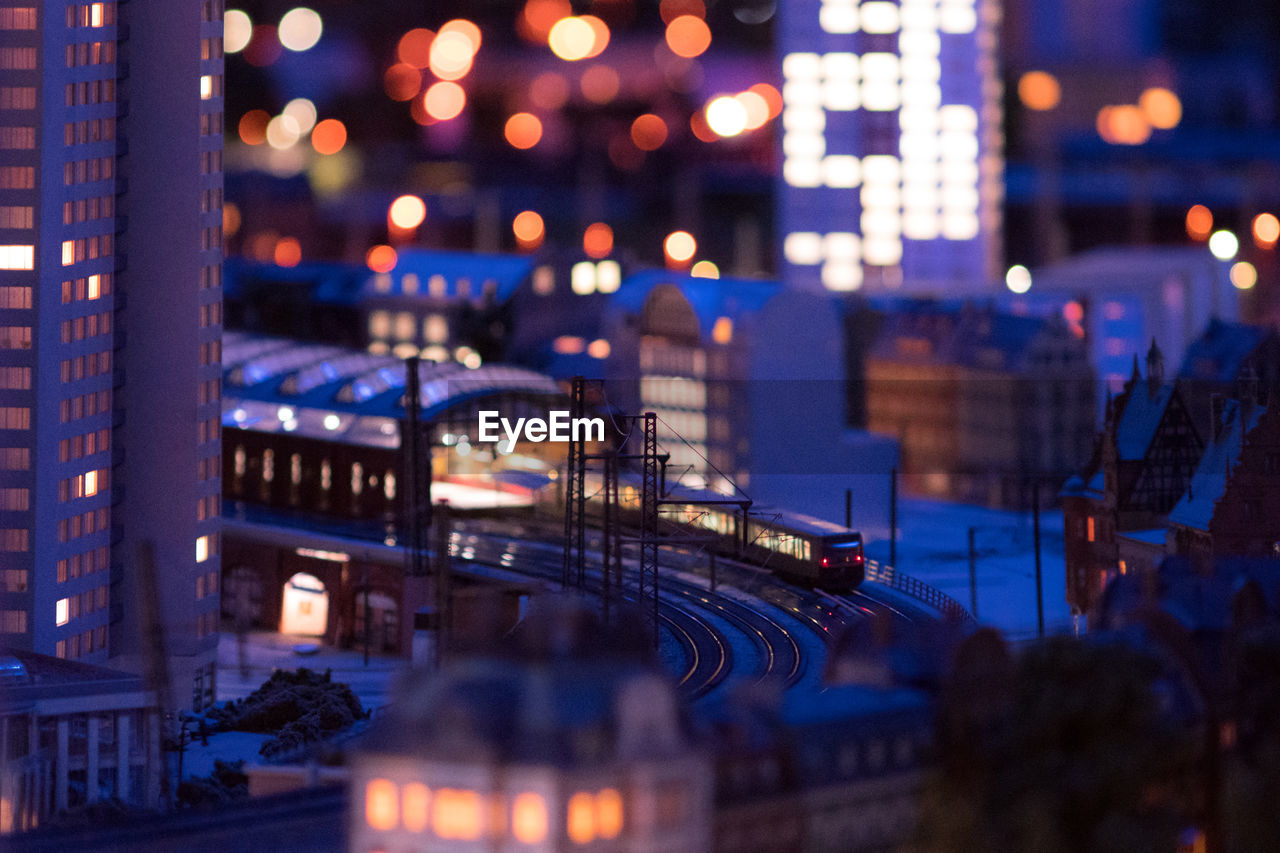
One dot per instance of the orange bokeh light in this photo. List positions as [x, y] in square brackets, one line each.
[288, 252]
[600, 36]
[402, 81]
[1266, 230]
[230, 219]
[680, 246]
[772, 97]
[672, 9]
[549, 90]
[381, 258]
[600, 84]
[756, 106]
[407, 212]
[702, 130]
[597, 240]
[1039, 90]
[1161, 107]
[415, 47]
[329, 136]
[688, 36]
[648, 132]
[523, 130]
[572, 39]
[444, 100]
[529, 229]
[452, 53]
[466, 28]
[1123, 124]
[253, 127]
[1199, 222]
[539, 16]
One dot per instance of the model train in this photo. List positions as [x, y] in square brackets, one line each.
[796, 547]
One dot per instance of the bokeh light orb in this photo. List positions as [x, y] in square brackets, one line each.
[381, 258]
[329, 136]
[237, 29]
[523, 130]
[1018, 279]
[1244, 275]
[705, 269]
[1039, 91]
[597, 240]
[529, 229]
[572, 39]
[1266, 230]
[1161, 107]
[253, 127]
[1223, 245]
[1199, 222]
[451, 55]
[726, 116]
[414, 47]
[648, 132]
[407, 212]
[680, 246]
[688, 36]
[444, 100]
[300, 29]
[303, 112]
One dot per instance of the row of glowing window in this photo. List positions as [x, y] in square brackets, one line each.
[91, 53]
[93, 560]
[841, 17]
[79, 446]
[91, 15]
[89, 130]
[84, 524]
[80, 367]
[85, 248]
[358, 480]
[84, 405]
[84, 485]
[79, 645]
[88, 92]
[435, 328]
[83, 604]
[463, 815]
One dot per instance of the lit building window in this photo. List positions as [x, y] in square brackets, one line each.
[381, 809]
[19, 257]
[95, 15]
[1091, 533]
[529, 818]
[202, 549]
[414, 806]
[68, 252]
[61, 611]
[457, 814]
[206, 87]
[608, 813]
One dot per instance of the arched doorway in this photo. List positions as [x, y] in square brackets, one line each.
[306, 606]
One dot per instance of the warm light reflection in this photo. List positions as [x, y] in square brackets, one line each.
[253, 127]
[600, 84]
[1161, 108]
[237, 29]
[679, 246]
[529, 818]
[451, 54]
[581, 821]
[1266, 230]
[609, 801]
[457, 814]
[1199, 222]
[444, 100]
[688, 36]
[1039, 90]
[523, 130]
[597, 240]
[300, 29]
[726, 116]
[401, 81]
[648, 132]
[572, 39]
[329, 136]
[414, 47]
[1243, 275]
[529, 229]
[416, 799]
[288, 252]
[722, 331]
[381, 809]
[407, 212]
[705, 269]
[381, 259]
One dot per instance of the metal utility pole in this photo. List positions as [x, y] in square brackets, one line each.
[575, 494]
[607, 531]
[893, 518]
[1035, 514]
[649, 514]
[415, 455]
[973, 575]
[848, 508]
[442, 579]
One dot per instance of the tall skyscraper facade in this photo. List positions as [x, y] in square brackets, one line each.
[110, 314]
[892, 167]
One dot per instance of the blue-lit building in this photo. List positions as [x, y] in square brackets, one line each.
[892, 168]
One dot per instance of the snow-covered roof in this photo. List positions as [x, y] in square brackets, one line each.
[1142, 415]
[1209, 483]
[1220, 353]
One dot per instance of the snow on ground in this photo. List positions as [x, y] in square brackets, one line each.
[933, 546]
[223, 746]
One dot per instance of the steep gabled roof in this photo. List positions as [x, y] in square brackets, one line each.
[1139, 420]
[1209, 483]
